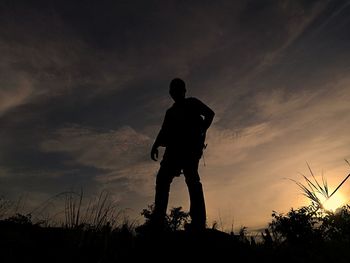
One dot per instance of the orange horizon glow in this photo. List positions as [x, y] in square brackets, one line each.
[335, 202]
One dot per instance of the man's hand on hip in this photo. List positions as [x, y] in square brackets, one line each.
[154, 154]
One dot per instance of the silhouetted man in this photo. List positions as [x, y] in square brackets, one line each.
[183, 134]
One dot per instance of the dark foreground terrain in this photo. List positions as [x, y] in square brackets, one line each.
[299, 236]
[22, 241]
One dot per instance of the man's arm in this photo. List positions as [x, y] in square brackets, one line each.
[156, 144]
[160, 139]
[208, 118]
[207, 113]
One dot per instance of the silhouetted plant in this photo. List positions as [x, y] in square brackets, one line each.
[174, 221]
[148, 212]
[303, 225]
[177, 218]
[296, 227]
[20, 219]
[72, 209]
[313, 190]
[266, 237]
[242, 234]
[336, 226]
[98, 213]
[215, 225]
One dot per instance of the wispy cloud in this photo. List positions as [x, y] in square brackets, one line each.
[14, 94]
[105, 150]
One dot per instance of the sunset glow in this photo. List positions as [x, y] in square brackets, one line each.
[336, 201]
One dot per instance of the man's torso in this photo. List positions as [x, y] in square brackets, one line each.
[184, 127]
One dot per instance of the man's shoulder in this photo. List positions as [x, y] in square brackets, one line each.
[192, 99]
[195, 102]
[189, 101]
[170, 110]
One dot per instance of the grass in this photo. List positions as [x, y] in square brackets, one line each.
[313, 189]
[97, 213]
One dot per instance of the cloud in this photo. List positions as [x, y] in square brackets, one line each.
[228, 146]
[3, 172]
[298, 18]
[120, 153]
[105, 150]
[15, 94]
[140, 178]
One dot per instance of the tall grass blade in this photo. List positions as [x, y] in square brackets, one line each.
[346, 178]
[311, 185]
[309, 193]
[347, 162]
[320, 188]
[325, 185]
[77, 222]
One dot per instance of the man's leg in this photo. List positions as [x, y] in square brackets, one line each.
[165, 176]
[197, 207]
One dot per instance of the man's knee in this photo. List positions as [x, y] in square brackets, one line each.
[162, 187]
[192, 177]
[194, 182]
[165, 176]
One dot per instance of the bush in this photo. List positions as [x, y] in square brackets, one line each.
[174, 221]
[305, 225]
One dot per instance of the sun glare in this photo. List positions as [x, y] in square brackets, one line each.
[334, 202]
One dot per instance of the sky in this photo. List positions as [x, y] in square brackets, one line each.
[84, 89]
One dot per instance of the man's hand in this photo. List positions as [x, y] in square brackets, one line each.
[154, 154]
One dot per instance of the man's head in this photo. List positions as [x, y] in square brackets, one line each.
[177, 89]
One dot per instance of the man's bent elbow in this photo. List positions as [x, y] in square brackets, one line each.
[211, 116]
